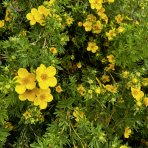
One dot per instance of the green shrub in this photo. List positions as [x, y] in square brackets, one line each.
[73, 74]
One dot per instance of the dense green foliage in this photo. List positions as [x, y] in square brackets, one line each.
[92, 55]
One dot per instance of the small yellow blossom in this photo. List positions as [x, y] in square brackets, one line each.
[25, 81]
[97, 27]
[53, 50]
[96, 4]
[81, 90]
[79, 65]
[8, 125]
[120, 29]
[78, 114]
[145, 81]
[80, 24]
[125, 74]
[88, 26]
[119, 18]
[8, 16]
[43, 96]
[91, 18]
[92, 46]
[127, 132]
[2, 23]
[111, 88]
[111, 34]
[105, 78]
[111, 58]
[137, 93]
[58, 89]
[69, 21]
[98, 90]
[135, 80]
[45, 76]
[145, 100]
[27, 115]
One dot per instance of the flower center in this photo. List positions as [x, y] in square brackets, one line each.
[25, 81]
[42, 97]
[44, 77]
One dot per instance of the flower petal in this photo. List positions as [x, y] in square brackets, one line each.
[20, 89]
[52, 81]
[51, 71]
[22, 72]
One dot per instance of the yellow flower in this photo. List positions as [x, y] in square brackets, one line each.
[29, 94]
[145, 100]
[119, 18]
[97, 27]
[43, 10]
[105, 78]
[45, 76]
[53, 50]
[123, 146]
[69, 21]
[79, 65]
[91, 18]
[81, 90]
[137, 93]
[88, 26]
[111, 34]
[96, 4]
[111, 88]
[26, 80]
[125, 74]
[111, 58]
[8, 16]
[145, 81]
[8, 125]
[120, 29]
[58, 89]
[2, 23]
[92, 46]
[78, 114]
[127, 132]
[43, 96]
[98, 90]
[80, 24]
[27, 114]
[35, 16]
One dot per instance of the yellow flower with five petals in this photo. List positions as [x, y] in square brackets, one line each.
[45, 76]
[25, 81]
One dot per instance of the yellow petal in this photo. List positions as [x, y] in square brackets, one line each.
[44, 85]
[43, 105]
[22, 72]
[52, 81]
[20, 89]
[34, 11]
[32, 22]
[22, 97]
[31, 85]
[41, 69]
[29, 16]
[51, 71]
[50, 98]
